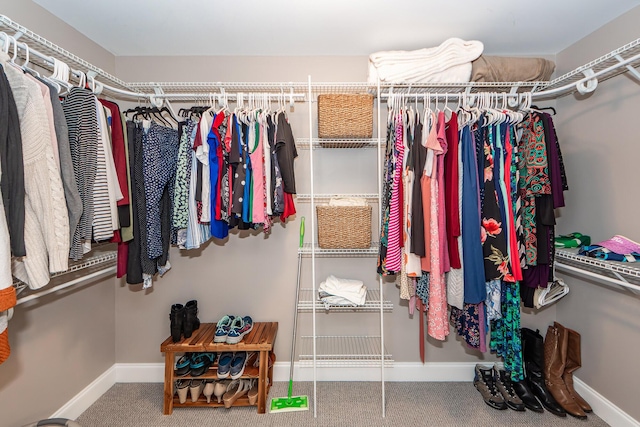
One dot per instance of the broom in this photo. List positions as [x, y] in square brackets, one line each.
[293, 403]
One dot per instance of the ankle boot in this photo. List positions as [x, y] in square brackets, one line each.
[177, 321]
[574, 361]
[555, 355]
[533, 353]
[191, 321]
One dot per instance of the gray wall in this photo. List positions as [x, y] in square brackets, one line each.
[59, 344]
[600, 147]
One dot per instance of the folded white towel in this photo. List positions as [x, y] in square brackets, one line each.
[449, 62]
[343, 291]
[348, 201]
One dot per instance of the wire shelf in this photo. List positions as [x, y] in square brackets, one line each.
[306, 143]
[207, 88]
[102, 256]
[451, 88]
[608, 269]
[46, 47]
[627, 51]
[371, 251]
[305, 197]
[355, 351]
[372, 303]
[319, 88]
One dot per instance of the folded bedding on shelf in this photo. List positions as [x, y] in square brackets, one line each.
[511, 69]
[348, 201]
[450, 62]
[336, 291]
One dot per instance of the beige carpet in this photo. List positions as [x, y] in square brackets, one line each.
[339, 404]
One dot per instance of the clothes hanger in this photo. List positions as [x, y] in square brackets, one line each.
[553, 110]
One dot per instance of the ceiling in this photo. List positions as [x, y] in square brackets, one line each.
[331, 27]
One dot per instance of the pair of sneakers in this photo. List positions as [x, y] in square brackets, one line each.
[495, 385]
[231, 329]
[231, 365]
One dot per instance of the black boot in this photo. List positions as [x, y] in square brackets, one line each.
[191, 321]
[177, 321]
[526, 395]
[533, 352]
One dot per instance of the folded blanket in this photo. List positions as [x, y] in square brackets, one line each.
[348, 201]
[449, 62]
[511, 69]
[337, 291]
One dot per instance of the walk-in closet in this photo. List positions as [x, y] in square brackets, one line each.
[338, 213]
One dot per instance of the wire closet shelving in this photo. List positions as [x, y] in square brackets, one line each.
[333, 350]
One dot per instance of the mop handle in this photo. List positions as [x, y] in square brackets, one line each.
[295, 315]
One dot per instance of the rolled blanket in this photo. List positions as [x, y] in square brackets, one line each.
[449, 62]
[511, 69]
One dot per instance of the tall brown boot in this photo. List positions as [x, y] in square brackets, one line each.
[574, 361]
[555, 354]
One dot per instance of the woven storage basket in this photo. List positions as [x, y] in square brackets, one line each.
[344, 227]
[345, 116]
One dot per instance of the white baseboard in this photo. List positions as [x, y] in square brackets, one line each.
[603, 407]
[397, 371]
[87, 397]
[139, 372]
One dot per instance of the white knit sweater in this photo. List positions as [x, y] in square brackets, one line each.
[46, 229]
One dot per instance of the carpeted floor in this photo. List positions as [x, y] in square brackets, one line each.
[339, 404]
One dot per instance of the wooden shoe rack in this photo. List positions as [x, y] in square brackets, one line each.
[260, 339]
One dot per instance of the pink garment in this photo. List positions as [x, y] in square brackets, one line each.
[445, 264]
[256, 154]
[425, 187]
[437, 319]
[620, 245]
[516, 269]
[394, 255]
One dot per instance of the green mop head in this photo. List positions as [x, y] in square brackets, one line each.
[289, 403]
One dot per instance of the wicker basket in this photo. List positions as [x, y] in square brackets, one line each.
[345, 116]
[344, 227]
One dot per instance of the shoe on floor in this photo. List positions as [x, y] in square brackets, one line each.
[240, 327]
[528, 397]
[485, 384]
[504, 385]
[222, 329]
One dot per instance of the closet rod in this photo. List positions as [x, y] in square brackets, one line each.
[82, 279]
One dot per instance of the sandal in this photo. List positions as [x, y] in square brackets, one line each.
[201, 363]
[235, 390]
[183, 365]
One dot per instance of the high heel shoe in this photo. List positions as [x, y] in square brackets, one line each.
[209, 386]
[220, 388]
[253, 391]
[195, 389]
[236, 389]
[182, 387]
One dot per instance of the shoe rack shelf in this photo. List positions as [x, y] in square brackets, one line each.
[260, 339]
[372, 303]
